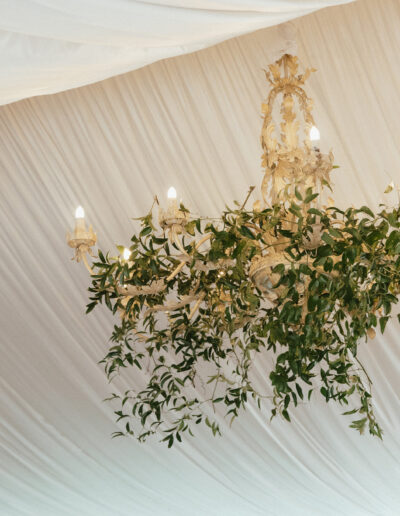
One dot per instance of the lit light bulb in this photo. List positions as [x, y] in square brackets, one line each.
[314, 134]
[79, 213]
[126, 254]
[171, 193]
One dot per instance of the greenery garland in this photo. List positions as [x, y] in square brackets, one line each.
[325, 301]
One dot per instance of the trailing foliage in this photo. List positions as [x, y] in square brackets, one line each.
[327, 301]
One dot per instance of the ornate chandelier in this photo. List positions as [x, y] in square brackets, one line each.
[293, 278]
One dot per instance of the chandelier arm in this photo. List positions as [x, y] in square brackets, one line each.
[176, 271]
[172, 306]
[202, 240]
[196, 306]
[86, 263]
[131, 290]
[183, 263]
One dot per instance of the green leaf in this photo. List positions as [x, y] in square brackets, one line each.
[310, 198]
[366, 210]
[349, 412]
[90, 307]
[295, 209]
[246, 232]
[325, 393]
[299, 390]
[335, 233]
[382, 322]
[392, 240]
[145, 231]
[359, 424]
[312, 302]
[314, 211]
[328, 239]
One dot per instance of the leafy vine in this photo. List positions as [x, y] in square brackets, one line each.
[197, 334]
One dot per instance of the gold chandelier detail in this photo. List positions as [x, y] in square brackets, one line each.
[293, 273]
[292, 166]
[290, 163]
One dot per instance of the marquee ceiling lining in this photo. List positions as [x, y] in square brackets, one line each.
[48, 46]
[192, 122]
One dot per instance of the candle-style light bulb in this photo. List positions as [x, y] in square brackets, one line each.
[126, 254]
[314, 134]
[80, 227]
[79, 213]
[172, 215]
[171, 193]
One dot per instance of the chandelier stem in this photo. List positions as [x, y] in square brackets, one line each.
[247, 198]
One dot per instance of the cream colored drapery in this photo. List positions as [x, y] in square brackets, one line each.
[48, 46]
[192, 122]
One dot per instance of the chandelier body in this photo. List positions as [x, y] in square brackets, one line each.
[294, 278]
[290, 163]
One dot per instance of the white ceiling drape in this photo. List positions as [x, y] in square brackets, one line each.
[48, 46]
[192, 122]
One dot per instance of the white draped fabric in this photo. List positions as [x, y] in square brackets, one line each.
[48, 46]
[192, 122]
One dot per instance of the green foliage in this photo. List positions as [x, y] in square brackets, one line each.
[327, 301]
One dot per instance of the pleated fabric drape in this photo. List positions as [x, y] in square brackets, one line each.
[48, 46]
[192, 122]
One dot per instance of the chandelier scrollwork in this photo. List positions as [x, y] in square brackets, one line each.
[289, 163]
[295, 278]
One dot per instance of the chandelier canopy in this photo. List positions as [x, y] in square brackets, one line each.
[293, 278]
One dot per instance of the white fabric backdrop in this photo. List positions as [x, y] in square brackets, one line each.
[48, 46]
[192, 122]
